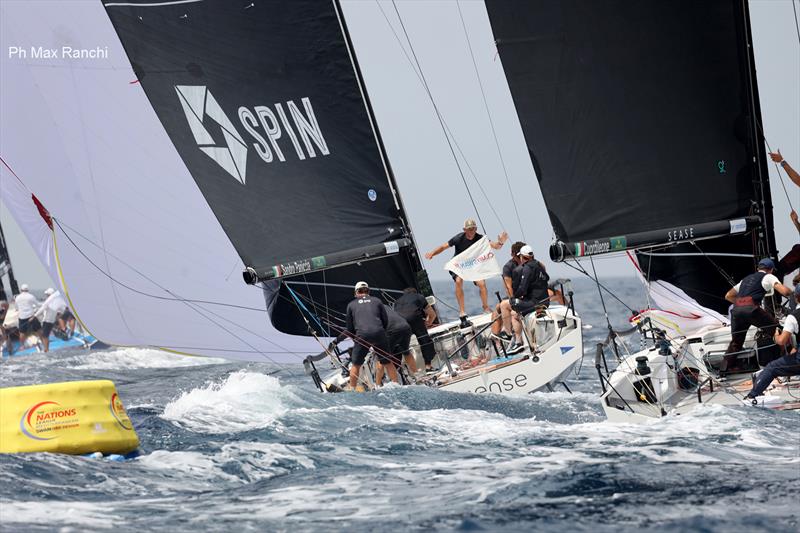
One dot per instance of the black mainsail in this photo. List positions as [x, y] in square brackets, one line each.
[265, 105]
[643, 124]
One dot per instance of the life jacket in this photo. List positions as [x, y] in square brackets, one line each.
[750, 290]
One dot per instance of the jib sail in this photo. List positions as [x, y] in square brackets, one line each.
[642, 122]
[265, 106]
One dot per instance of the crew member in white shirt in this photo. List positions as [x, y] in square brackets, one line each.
[53, 305]
[27, 304]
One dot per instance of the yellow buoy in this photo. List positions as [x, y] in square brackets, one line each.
[77, 417]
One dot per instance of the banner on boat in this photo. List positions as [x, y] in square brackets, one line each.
[476, 263]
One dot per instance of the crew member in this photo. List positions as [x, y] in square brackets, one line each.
[367, 321]
[26, 307]
[398, 334]
[747, 311]
[53, 305]
[461, 242]
[529, 285]
[508, 274]
[789, 364]
[414, 308]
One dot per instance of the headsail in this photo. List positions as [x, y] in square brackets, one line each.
[643, 129]
[140, 255]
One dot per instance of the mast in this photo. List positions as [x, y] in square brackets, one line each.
[416, 262]
[765, 233]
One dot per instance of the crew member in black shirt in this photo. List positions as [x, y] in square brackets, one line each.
[529, 286]
[366, 324]
[399, 335]
[414, 308]
[461, 242]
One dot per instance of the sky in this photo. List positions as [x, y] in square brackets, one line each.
[429, 181]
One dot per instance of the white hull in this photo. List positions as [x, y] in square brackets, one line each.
[674, 395]
[557, 340]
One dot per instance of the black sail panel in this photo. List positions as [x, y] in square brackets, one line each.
[262, 102]
[637, 115]
[643, 125]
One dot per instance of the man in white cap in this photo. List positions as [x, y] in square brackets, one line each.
[461, 242]
[26, 307]
[367, 321]
[53, 305]
[529, 292]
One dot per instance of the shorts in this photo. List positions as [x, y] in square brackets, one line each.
[67, 315]
[47, 327]
[523, 307]
[454, 276]
[364, 342]
[29, 325]
[399, 343]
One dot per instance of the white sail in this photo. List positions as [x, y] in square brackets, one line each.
[141, 258]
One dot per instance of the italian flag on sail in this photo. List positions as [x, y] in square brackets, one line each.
[476, 262]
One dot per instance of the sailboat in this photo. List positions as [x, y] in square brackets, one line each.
[10, 317]
[194, 154]
[645, 132]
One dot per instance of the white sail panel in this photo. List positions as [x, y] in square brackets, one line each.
[141, 253]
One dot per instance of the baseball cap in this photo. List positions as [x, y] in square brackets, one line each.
[48, 291]
[362, 285]
[23, 287]
[526, 251]
[470, 223]
[767, 263]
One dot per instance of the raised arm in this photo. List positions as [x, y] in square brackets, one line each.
[792, 173]
[436, 251]
[501, 240]
[793, 216]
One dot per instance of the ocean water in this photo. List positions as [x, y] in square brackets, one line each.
[254, 447]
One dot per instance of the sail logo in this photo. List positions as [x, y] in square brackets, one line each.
[44, 420]
[118, 412]
[198, 103]
[263, 123]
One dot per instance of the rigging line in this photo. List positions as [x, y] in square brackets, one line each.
[796, 26]
[439, 116]
[443, 121]
[188, 303]
[602, 300]
[724, 274]
[778, 168]
[610, 292]
[491, 122]
[173, 298]
[311, 299]
[85, 145]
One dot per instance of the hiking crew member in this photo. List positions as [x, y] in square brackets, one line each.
[508, 274]
[746, 298]
[461, 242]
[399, 336]
[366, 324]
[529, 286]
[789, 364]
[414, 308]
